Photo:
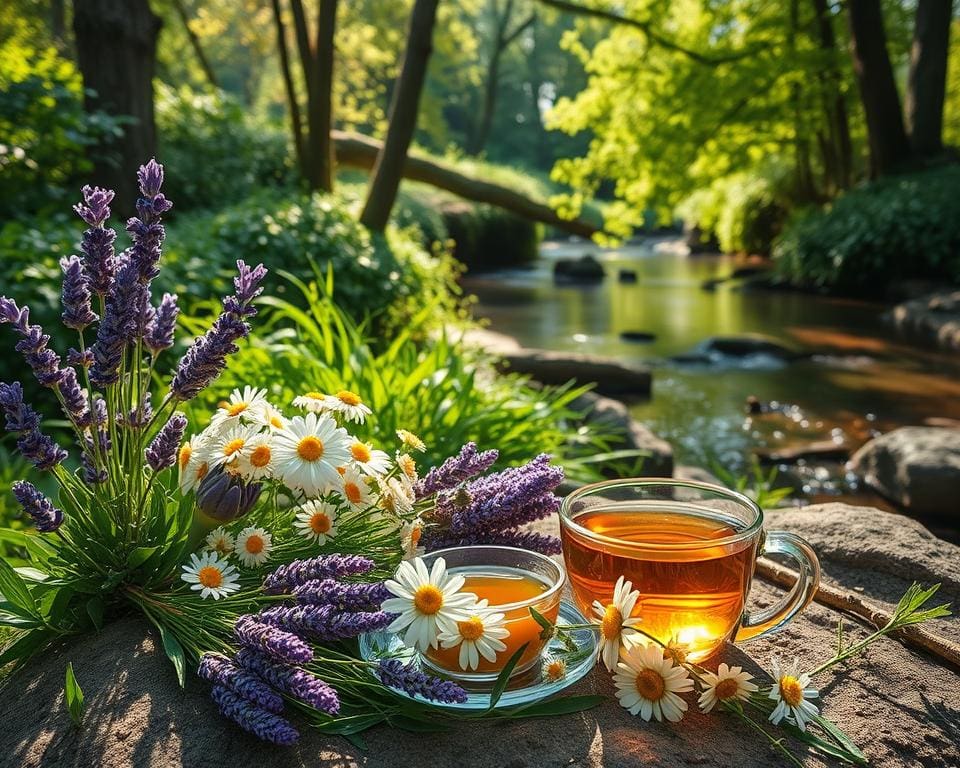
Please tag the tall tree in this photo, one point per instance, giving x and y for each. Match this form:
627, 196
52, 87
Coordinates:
927, 80
195, 43
116, 51
835, 143
404, 105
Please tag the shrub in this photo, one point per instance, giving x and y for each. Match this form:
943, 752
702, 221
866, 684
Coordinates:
214, 153
894, 229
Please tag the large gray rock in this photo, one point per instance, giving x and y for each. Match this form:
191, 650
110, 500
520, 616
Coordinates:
917, 468
933, 319
611, 376
898, 704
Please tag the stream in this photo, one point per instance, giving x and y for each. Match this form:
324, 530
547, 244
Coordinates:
850, 379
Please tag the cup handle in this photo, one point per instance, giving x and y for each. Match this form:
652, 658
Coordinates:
770, 620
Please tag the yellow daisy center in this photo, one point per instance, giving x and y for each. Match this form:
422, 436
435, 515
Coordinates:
360, 452
276, 422
556, 670
348, 398
310, 448
611, 623
254, 544
408, 465
791, 691
353, 493
237, 408
260, 456
320, 523
650, 685
471, 629
415, 535
428, 599
315, 395
210, 576
184, 456
726, 689
233, 446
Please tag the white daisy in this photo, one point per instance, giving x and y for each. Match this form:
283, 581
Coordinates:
648, 684
193, 462
410, 533
428, 603
242, 404
408, 466
350, 405
255, 461
728, 684
370, 460
554, 669
396, 497
410, 440
312, 401
214, 577
219, 541
308, 452
269, 417
792, 692
354, 489
615, 622
479, 635
232, 444
253, 546
317, 520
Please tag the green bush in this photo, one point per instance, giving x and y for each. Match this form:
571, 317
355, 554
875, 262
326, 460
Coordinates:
214, 153
744, 211
897, 228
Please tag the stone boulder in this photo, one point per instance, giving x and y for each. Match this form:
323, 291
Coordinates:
917, 468
898, 704
933, 319
611, 376
586, 269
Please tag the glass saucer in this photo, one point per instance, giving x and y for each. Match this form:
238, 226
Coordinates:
578, 648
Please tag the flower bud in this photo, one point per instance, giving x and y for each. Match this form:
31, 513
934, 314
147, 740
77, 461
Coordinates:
225, 497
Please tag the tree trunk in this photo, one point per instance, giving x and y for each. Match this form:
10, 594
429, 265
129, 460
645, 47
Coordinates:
927, 81
403, 117
198, 51
889, 148
492, 84
360, 151
116, 52
320, 102
836, 146
296, 122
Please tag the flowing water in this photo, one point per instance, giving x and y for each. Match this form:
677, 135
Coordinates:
852, 379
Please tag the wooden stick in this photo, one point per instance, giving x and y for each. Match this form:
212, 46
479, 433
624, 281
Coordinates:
850, 602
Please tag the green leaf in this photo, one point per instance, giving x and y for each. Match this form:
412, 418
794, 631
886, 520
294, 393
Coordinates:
139, 556
174, 651
25, 647
20, 622
74, 696
95, 611
562, 706
15, 590
500, 685
32, 574
549, 630
841, 738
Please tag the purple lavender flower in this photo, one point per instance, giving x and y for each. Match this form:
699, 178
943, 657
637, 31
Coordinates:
79, 359
292, 681
162, 451
394, 674
145, 229
455, 470
74, 399
261, 723
268, 639
160, 329
323, 623
97, 242
291, 575
92, 474
119, 325
207, 357
219, 670
44, 362
21, 418
536, 542
75, 295
139, 415
226, 497
46, 517
345, 597
150, 178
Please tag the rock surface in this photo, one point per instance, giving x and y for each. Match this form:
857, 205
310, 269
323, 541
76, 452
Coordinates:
933, 319
586, 269
898, 704
917, 468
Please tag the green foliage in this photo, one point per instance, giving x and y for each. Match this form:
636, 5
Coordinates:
74, 696
756, 484
213, 151
744, 211
895, 229
44, 131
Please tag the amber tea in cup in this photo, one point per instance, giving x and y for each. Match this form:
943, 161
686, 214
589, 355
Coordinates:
689, 549
512, 581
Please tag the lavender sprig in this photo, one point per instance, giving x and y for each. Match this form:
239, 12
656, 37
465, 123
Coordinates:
160, 329
74, 398
145, 229
121, 319
345, 597
394, 674
536, 542
97, 243
46, 517
162, 451
293, 681
75, 295
261, 723
323, 623
219, 670
36, 447
44, 362
457, 469
272, 641
291, 575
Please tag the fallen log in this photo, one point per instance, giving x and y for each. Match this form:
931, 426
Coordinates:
359, 151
